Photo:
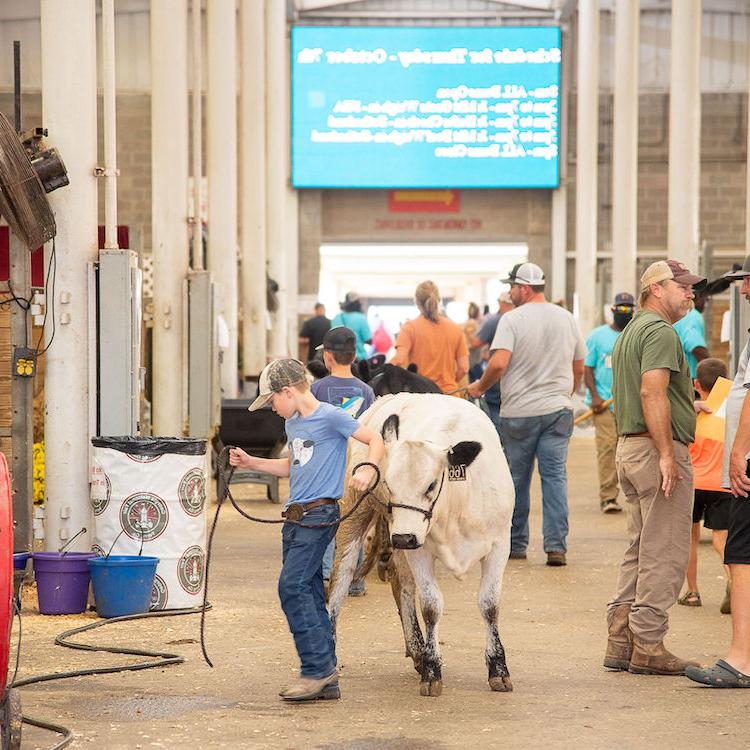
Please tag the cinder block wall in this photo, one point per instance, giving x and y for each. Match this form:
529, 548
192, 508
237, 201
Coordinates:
723, 159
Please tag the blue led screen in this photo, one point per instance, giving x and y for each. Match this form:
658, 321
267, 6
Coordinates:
399, 107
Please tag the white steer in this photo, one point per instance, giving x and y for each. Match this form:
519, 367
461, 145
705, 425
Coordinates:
447, 494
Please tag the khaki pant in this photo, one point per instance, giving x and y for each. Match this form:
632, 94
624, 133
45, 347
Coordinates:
606, 443
654, 566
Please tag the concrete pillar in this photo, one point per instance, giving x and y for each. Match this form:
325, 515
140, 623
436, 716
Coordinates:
169, 210
558, 265
69, 112
253, 186
625, 147
277, 177
109, 118
747, 165
292, 259
683, 227
197, 262
221, 170
587, 147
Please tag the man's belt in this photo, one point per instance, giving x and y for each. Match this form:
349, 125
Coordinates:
295, 510
646, 435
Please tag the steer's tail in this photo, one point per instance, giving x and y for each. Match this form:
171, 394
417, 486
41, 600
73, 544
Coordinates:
377, 550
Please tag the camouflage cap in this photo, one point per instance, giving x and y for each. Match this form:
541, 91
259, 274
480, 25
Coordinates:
662, 270
276, 375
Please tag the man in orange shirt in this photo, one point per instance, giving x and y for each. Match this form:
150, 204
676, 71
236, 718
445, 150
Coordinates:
435, 344
711, 502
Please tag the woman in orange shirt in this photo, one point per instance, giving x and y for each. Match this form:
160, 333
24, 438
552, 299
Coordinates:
433, 343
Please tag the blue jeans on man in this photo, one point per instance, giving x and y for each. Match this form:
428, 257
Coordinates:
301, 590
492, 399
546, 439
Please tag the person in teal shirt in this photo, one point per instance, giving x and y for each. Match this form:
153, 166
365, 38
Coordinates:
351, 316
597, 374
692, 333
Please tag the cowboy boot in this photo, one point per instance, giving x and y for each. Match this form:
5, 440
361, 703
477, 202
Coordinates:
653, 658
620, 642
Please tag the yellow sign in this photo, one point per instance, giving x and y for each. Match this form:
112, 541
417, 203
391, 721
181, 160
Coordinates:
711, 426
429, 196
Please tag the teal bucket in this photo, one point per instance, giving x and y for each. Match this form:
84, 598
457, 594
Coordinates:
122, 584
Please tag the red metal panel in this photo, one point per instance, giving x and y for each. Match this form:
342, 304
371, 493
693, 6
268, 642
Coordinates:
6, 570
123, 237
37, 256
4, 254
37, 268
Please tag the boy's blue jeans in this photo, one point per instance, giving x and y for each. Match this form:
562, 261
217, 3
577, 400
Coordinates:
301, 590
545, 438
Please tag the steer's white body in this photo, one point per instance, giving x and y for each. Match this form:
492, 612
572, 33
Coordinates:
469, 521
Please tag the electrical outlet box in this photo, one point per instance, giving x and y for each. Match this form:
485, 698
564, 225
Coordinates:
24, 362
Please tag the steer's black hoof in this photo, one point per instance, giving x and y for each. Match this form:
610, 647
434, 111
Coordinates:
501, 684
432, 689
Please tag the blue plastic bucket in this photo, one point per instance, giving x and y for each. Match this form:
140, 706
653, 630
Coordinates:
62, 581
19, 573
122, 584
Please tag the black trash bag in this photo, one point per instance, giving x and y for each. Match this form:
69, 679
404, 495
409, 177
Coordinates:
136, 445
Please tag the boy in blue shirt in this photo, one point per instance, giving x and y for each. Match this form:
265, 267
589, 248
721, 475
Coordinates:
342, 389
692, 332
317, 435
597, 375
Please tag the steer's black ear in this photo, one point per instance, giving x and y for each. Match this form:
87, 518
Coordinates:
389, 430
464, 452
363, 366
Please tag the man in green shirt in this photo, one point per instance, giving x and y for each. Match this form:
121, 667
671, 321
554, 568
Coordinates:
655, 415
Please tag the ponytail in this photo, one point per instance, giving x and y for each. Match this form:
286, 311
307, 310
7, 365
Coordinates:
427, 298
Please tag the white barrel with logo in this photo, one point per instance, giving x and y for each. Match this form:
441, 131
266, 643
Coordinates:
149, 496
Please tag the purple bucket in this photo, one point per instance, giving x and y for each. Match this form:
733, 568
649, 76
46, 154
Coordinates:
62, 581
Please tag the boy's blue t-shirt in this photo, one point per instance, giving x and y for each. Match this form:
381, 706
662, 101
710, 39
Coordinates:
692, 332
600, 343
350, 394
317, 453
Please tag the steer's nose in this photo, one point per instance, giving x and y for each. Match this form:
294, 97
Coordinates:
404, 541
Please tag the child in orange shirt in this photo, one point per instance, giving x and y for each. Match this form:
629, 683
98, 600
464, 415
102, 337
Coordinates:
711, 501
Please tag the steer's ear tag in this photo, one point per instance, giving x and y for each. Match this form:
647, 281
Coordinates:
457, 473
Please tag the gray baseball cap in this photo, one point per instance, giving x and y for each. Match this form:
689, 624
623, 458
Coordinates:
277, 375
737, 275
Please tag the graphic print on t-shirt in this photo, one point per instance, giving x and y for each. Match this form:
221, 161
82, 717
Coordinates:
346, 397
302, 451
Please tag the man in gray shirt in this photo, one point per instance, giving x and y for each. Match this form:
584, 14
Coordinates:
538, 357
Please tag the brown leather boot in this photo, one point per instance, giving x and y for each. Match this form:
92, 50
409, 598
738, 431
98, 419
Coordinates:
620, 642
653, 658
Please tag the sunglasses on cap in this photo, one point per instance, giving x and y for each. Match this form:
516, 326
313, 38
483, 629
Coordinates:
622, 308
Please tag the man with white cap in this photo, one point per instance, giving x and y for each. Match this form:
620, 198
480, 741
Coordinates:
538, 354
484, 337
655, 415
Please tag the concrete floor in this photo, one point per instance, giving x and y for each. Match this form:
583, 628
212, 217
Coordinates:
552, 625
